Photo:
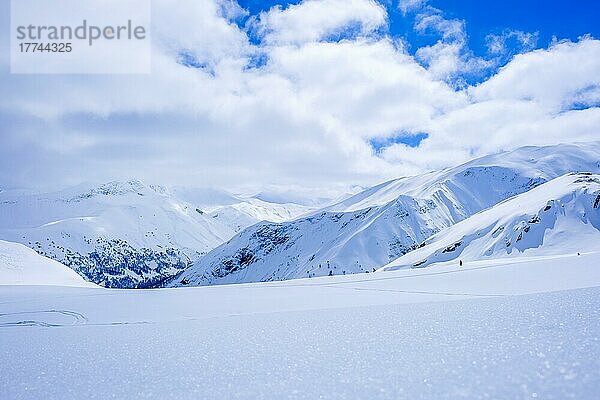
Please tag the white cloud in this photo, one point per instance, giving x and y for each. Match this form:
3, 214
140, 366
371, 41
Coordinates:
450, 56
554, 77
303, 119
312, 20
432, 20
202, 27
524, 41
526, 102
446, 60
407, 6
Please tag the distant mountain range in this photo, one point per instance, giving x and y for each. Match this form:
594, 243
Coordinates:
388, 221
533, 200
128, 234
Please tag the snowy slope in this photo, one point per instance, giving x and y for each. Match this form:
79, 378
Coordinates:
126, 234
378, 225
522, 329
494, 175
19, 265
248, 211
239, 211
558, 217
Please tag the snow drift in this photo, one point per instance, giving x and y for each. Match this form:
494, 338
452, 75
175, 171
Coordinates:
19, 265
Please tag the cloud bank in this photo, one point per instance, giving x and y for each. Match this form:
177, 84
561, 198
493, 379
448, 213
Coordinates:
293, 96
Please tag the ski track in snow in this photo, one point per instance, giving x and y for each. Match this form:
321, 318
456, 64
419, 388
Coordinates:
50, 318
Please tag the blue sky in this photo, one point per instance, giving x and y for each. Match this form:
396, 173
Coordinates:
548, 19
276, 100
412, 140
563, 19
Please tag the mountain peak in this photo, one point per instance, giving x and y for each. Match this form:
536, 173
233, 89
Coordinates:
390, 220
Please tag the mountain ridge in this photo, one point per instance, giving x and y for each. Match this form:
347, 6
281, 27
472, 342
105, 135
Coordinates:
126, 234
560, 216
374, 227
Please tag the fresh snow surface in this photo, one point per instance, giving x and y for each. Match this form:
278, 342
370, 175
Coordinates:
377, 226
19, 265
561, 216
500, 329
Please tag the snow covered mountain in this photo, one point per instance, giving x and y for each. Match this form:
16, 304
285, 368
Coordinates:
128, 234
19, 265
558, 217
240, 211
248, 211
378, 225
